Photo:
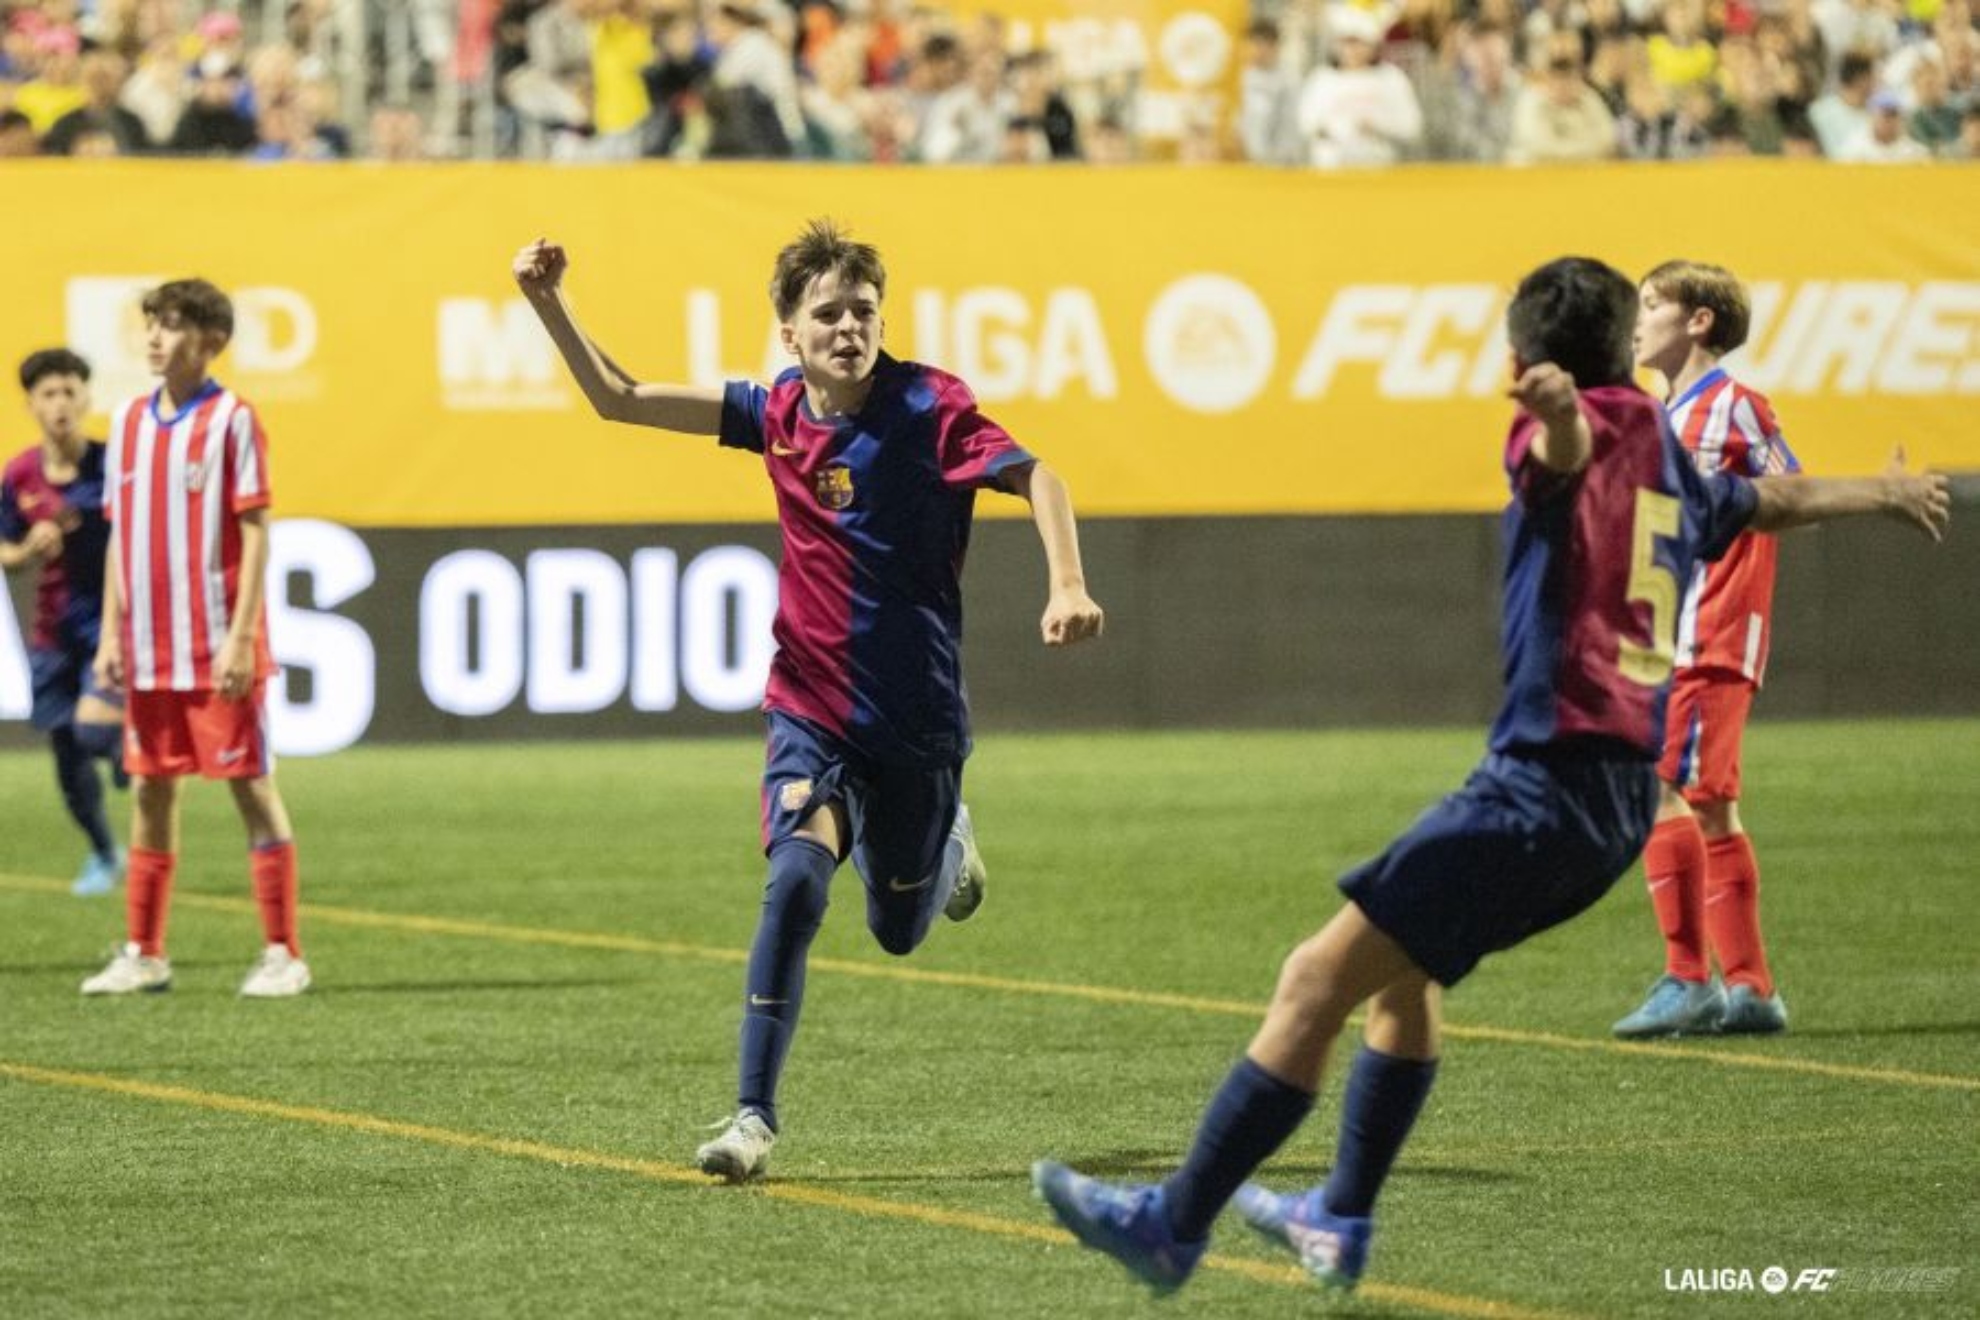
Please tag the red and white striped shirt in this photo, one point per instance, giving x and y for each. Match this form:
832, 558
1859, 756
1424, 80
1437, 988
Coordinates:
1727, 617
176, 486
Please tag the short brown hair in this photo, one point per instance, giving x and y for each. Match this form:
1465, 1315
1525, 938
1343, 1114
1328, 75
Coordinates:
195, 302
1694, 284
823, 248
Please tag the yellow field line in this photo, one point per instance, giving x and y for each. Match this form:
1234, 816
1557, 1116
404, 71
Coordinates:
570, 1157
487, 930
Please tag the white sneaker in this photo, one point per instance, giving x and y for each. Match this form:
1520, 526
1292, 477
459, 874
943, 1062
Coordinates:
278, 974
742, 1151
130, 972
966, 895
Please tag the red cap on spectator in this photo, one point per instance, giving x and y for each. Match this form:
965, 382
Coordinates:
219, 26
60, 40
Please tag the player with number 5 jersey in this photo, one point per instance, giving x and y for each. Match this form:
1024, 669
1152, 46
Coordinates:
1608, 516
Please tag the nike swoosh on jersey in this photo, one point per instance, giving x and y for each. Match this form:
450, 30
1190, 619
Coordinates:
782, 452
758, 1001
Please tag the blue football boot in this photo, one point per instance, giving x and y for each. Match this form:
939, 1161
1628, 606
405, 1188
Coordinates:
1332, 1248
1131, 1224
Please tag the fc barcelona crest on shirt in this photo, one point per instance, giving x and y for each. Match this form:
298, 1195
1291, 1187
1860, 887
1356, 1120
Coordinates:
794, 794
833, 484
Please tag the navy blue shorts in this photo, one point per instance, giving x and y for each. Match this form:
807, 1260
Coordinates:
1528, 842
899, 817
59, 679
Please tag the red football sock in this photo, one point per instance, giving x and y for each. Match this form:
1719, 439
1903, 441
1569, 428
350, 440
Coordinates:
147, 896
273, 866
1732, 911
1674, 868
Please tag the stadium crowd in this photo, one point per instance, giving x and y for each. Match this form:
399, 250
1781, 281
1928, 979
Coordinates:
1357, 83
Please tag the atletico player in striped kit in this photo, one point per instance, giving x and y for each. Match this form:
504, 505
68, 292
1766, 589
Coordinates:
184, 630
1699, 865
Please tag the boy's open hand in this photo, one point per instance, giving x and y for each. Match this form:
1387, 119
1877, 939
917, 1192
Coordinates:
1923, 499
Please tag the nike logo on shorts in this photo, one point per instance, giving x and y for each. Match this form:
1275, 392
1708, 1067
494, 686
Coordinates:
232, 755
900, 888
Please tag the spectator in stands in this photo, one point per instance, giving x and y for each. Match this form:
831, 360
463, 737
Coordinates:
621, 48
839, 111
965, 125
1884, 140
1616, 62
1856, 25
1934, 119
56, 87
1842, 116
549, 92
1559, 117
1488, 93
1968, 146
17, 136
676, 83
102, 79
212, 123
1038, 97
396, 134
1357, 111
1679, 54
156, 89
1268, 100
753, 97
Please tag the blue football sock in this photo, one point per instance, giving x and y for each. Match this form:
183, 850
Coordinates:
1384, 1096
1251, 1115
794, 901
82, 792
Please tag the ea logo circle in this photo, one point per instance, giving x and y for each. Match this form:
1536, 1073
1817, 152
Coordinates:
1210, 343
1195, 48
1774, 1279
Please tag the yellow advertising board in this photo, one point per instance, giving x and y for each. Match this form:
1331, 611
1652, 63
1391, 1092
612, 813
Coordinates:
1174, 342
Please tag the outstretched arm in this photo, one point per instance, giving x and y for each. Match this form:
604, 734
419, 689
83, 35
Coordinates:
1923, 499
614, 394
1070, 614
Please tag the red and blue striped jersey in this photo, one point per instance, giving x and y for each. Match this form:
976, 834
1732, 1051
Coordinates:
875, 510
1596, 564
1729, 604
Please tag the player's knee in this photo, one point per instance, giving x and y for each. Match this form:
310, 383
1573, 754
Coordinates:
898, 939
98, 739
1311, 987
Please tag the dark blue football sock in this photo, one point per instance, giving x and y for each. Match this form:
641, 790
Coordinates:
1384, 1096
794, 901
1251, 1116
82, 792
